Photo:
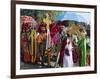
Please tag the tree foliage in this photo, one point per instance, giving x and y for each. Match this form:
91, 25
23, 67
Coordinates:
38, 15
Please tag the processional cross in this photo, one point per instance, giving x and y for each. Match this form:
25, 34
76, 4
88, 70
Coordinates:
73, 29
48, 22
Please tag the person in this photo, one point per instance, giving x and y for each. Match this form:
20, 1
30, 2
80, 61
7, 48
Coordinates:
66, 56
82, 49
41, 44
75, 55
68, 50
62, 43
25, 53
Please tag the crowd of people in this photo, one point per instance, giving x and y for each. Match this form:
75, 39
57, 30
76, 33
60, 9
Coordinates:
43, 42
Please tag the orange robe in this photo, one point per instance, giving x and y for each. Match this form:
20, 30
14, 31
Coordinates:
41, 44
26, 57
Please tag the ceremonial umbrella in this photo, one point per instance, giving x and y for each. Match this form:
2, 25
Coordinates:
26, 19
27, 22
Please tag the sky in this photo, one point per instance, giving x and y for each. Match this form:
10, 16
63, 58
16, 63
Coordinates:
77, 16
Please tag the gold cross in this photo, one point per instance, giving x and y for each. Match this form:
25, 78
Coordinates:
73, 29
47, 20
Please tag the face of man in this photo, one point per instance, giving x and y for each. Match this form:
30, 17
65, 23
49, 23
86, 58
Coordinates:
62, 27
43, 29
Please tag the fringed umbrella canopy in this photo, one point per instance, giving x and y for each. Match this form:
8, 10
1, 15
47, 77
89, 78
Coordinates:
26, 19
27, 22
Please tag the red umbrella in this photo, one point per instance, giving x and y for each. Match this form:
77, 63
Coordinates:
26, 19
25, 22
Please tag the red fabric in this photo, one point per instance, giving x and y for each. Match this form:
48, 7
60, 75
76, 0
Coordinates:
25, 26
26, 19
26, 57
74, 54
62, 51
54, 30
67, 52
88, 59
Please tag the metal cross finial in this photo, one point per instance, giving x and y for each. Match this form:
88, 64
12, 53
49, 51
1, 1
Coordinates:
73, 29
47, 20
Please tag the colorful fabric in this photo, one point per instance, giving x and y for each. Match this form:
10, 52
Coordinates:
82, 52
68, 55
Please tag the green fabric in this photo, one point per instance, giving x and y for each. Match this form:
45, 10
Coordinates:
82, 52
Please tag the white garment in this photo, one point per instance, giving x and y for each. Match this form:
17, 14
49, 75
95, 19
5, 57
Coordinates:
68, 60
48, 41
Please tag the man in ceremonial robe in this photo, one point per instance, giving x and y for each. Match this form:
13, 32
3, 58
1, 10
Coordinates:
62, 44
66, 57
25, 44
41, 44
68, 52
82, 49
